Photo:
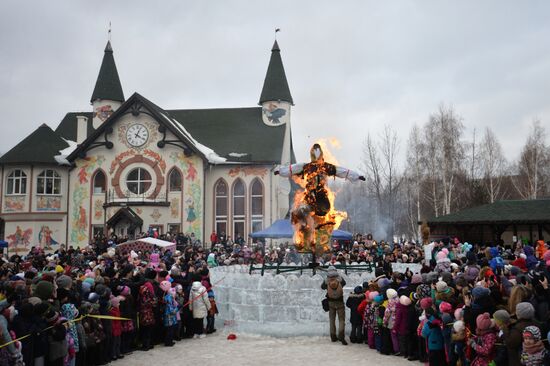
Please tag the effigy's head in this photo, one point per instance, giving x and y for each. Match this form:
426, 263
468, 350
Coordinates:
316, 153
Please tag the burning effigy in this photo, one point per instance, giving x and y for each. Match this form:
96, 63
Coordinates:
313, 215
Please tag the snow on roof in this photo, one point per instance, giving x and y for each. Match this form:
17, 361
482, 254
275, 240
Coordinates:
153, 241
62, 157
210, 154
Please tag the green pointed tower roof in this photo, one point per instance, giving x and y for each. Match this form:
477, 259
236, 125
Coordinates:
108, 86
275, 84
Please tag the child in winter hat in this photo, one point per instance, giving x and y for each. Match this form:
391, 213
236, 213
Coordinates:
534, 353
502, 321
458, 339
484, 344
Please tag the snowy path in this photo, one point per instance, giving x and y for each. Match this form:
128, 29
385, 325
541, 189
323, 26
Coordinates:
250, 350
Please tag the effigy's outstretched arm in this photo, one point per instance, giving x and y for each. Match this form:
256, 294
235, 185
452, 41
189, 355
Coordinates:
288, 170
348, 174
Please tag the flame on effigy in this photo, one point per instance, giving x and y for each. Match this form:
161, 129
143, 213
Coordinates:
305, 222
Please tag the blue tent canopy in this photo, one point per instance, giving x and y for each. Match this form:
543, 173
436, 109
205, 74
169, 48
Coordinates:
282, 229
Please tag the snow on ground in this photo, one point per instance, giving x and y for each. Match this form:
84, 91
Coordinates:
252, 350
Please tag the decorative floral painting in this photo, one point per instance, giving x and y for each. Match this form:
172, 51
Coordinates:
98, 209
119, 158
193, 192
87, 165
81, 193
14, 204
175, 207
103, 112
255, 171
156, 215
45, 203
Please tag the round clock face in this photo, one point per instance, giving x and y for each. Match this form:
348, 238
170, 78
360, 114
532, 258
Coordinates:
137, 135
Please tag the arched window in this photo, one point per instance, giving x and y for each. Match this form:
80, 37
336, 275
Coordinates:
48, 182
17, 182
239, 209
220, 206
138, 180
174, 181
256, 205
99, 182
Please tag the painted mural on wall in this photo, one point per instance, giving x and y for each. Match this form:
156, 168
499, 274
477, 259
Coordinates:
157, 157
46, 203
175, 207
14, 203
45, 238
103, 112
191, 216
119, 158
98, 209
20, 240
257, 172
193, 192
156, 215
274, 114
81, 195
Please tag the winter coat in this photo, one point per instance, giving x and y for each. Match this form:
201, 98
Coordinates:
352, 303
389, 314
485, 349
116, 325
147, 304
401, 325
431, 331
336, 295
169, 317
371, 318
515, 339
199, 303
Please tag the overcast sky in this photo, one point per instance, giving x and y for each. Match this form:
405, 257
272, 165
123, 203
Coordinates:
352, 66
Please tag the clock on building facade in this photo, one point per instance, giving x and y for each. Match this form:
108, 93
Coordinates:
137, 135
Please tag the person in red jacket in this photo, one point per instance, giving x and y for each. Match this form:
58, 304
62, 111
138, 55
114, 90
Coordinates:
116, 326
213, 239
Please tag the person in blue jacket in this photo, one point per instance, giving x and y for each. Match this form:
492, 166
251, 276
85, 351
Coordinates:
434, 339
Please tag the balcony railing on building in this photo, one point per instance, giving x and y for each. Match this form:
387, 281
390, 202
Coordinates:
131, 199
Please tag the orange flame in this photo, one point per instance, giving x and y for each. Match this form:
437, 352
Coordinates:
305, 230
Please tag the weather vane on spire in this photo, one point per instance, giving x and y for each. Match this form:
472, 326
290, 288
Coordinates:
109, 32
276, 31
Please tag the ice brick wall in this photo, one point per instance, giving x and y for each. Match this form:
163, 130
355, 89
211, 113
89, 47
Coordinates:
277, 305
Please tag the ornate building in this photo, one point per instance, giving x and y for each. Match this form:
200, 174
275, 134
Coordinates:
128, 166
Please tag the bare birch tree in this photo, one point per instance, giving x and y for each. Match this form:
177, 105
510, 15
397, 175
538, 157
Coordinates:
492, 165
414, 178
532, 167
380, 163
445, 129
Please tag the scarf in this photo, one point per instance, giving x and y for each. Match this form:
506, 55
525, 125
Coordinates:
534, 348
533, 355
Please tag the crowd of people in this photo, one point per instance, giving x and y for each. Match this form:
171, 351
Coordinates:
467, 305
90, 307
